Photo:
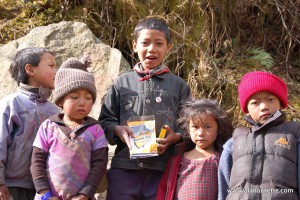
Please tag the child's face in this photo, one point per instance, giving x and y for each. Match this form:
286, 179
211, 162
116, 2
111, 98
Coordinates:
204, 132
151, 47
44, 74
261, 105
77, 105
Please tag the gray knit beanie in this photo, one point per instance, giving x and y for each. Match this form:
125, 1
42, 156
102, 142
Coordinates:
73, 75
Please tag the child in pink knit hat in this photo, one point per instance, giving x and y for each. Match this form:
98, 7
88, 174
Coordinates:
261, 162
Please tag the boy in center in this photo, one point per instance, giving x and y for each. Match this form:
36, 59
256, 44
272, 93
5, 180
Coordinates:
150, 89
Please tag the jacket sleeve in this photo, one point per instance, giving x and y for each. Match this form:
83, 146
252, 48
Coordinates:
224, 170
38, 169
8, 122
162, 186
298, 149
97, 172
184, 94
110, 114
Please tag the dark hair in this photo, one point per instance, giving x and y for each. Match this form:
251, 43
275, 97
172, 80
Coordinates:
152, 23
193, 108
32, 56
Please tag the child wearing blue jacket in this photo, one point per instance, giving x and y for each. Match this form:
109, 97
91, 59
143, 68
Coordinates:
22, 113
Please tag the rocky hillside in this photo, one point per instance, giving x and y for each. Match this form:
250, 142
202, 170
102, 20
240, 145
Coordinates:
214, 43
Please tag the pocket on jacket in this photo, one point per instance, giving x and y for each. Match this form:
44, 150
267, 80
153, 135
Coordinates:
128, 107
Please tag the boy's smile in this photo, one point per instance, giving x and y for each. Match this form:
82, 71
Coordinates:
151, 47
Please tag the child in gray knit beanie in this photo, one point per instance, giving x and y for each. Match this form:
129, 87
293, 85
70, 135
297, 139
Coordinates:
73, 75
70, 148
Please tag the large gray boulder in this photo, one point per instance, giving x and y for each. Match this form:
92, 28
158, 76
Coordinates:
67, 39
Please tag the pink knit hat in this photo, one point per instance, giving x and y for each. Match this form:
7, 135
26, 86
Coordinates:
259, 81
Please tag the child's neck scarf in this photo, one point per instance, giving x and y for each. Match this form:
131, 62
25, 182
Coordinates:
146, 74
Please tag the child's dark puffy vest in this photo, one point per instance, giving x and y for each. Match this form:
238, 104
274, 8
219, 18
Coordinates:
264, 163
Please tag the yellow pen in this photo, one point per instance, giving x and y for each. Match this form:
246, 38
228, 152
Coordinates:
162, 133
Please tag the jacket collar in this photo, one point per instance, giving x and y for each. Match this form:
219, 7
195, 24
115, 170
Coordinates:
276, 118
58, 118
40, 94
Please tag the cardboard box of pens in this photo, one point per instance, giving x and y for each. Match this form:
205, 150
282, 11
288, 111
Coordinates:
144, 143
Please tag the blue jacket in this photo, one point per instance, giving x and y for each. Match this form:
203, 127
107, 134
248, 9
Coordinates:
21, 115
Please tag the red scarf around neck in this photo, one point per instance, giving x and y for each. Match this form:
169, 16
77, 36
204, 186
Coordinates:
146, 74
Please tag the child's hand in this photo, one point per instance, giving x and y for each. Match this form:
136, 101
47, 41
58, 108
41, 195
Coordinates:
123, 132
80, 197
171, 138
42, 192
4, 193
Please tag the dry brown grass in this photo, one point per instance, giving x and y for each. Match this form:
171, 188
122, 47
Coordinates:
211, 39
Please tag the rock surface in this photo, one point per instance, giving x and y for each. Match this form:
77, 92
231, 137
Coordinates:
69, 39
